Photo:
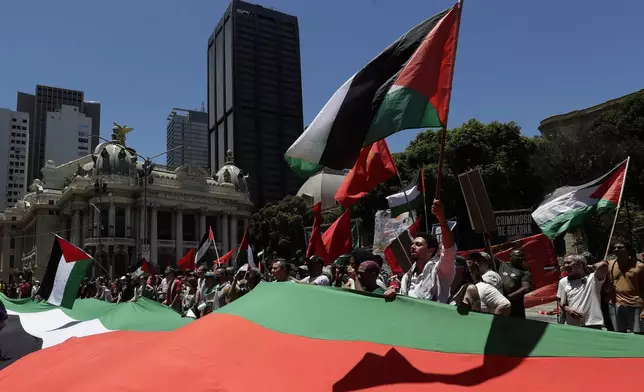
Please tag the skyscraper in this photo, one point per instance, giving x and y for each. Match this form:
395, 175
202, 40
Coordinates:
188, 128
255, 96
68, 135
14, 137
50, 99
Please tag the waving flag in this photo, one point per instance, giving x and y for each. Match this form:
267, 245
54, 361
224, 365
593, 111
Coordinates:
383, 346
406, 86
567, 207
65, 271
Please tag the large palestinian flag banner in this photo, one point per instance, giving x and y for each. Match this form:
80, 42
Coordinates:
567, 207
37, 325
290, 337
406, 86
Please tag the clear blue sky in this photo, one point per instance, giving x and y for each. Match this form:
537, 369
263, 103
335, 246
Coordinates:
517, 60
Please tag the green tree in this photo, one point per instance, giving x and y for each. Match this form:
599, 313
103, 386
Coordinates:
281, 226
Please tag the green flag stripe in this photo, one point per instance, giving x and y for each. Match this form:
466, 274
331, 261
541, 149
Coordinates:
76, 275
335, 314
402, 108
301, 167
572, 218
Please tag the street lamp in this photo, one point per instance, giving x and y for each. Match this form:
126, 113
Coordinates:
148, 166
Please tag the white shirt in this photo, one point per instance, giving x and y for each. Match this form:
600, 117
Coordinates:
583, 296
320, 280
492, 278
491, 297
434, 282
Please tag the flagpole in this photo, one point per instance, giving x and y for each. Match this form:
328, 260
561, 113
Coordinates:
214, 244
619, 204
441, 157
422, 177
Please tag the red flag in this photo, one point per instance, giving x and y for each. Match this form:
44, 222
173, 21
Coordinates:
187, 262
225, 258
316, 246
374, 166
337, 238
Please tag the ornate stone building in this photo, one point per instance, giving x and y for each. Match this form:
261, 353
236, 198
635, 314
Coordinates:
112, 204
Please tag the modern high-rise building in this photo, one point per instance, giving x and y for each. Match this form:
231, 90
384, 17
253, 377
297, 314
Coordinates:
187, 128
14, 139
255, 96
50, 99
68, 135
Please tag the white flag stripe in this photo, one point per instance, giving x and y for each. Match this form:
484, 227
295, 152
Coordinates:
398, 199
311, 144
85, 328
251, 261
60, 281
577, 199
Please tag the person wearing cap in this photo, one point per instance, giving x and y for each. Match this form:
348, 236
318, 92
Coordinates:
173, 297
484, 261
316, 277
367, 278
492, 301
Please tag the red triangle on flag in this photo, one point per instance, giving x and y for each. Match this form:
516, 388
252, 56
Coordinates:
71, 252
187, 262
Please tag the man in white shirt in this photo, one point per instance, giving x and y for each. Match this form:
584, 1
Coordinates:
484, 262
432, 272
579, 293
316, 277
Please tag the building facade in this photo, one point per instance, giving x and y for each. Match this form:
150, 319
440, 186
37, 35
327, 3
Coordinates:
50, 99
14, 139
255, 96
107, 204
576, 123
187, 128
68, 134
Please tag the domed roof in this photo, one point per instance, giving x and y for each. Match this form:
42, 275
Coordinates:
112, 158
321, 187
231, 175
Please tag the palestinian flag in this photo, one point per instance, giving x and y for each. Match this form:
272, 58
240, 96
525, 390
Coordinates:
245, 253
398, 252
36, 325
567, 207
414, 193
406, 86
142, 267
66, 269
361, 342
206, 242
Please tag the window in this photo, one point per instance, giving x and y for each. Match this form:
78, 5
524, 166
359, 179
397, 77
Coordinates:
51, 202
12, 243
82, 140
11, 261
51, 212
24, 128
24, 121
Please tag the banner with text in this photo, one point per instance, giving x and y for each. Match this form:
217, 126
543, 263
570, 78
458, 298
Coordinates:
514, 224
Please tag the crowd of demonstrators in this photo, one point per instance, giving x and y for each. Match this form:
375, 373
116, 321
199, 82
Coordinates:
21, 288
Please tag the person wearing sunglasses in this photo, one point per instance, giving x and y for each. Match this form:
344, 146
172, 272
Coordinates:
627, 276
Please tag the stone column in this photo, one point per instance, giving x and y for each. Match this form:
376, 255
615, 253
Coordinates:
86, 225
202, 224
178, 242
154, 246
128, 221
142, 224
76, 230
233, 231
224, 232
96, 225
111, 220
4, 257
